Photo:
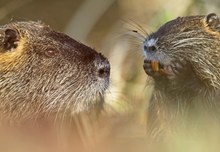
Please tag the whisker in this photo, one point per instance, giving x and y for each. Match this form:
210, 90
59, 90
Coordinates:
137, 27
189, 41
133, 35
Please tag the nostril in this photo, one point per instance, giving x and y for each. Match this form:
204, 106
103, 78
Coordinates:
104, 71
146, 61
101, 71
150, 48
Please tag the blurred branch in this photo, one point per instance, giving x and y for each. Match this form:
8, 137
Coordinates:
86, 17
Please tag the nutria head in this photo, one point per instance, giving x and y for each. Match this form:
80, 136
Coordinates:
185, 53
42, 70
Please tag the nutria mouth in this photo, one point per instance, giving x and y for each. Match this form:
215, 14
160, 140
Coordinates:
157, 69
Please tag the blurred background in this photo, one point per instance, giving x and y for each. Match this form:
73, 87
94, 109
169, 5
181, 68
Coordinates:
106, 26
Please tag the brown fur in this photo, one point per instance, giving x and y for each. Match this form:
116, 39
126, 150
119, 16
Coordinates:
45, 72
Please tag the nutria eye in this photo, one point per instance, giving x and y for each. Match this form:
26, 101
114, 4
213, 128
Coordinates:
51, 53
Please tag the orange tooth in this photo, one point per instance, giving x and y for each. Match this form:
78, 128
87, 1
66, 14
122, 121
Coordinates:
155, 66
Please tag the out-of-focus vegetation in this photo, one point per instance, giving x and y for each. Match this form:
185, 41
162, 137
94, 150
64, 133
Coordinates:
104, 25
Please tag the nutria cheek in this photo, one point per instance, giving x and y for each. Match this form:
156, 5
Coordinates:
168, 72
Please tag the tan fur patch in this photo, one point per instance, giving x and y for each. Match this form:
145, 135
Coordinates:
208, 30
12, 58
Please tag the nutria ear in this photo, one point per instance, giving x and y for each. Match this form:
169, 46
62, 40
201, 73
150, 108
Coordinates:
213, 21
11, 37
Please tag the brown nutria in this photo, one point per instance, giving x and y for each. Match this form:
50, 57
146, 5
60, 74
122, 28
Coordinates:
44, 71
183, 57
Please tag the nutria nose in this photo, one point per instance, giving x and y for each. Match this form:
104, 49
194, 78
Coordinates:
104, 70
